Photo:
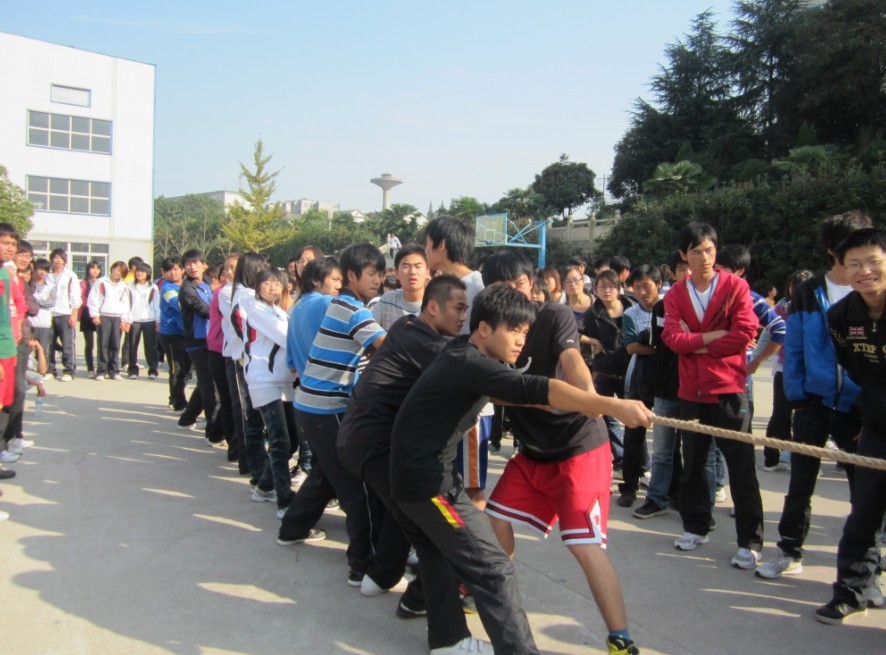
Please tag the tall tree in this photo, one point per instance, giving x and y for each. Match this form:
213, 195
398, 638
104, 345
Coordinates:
521, 204
189, 222
650, 139
14, 206
762, 62
566, 185
466, 208
398, 219
257, 224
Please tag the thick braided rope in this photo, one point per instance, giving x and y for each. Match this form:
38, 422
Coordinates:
802, 448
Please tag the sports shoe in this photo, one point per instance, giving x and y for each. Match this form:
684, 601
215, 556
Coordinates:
466, 645
333, 504
355, 579
90, 374
645, 479
370, 588
778, 466
626, 500
690, 541
5, 474
133, 376
99, 377
745, 559
835, 612
314, 534
259, 495
7, 457
783, 564
649, 509
281, 512
16, 446
4, 516
67, 377
720, 495
621, 646
406, 612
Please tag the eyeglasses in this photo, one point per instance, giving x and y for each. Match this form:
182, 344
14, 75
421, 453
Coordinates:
572, 280
869, 264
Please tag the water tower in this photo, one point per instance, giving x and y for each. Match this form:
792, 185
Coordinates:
386, 182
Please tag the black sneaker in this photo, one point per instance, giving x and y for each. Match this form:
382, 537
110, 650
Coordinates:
314, 534
649, 509
626, 499
835, 612
355, 579
406, 612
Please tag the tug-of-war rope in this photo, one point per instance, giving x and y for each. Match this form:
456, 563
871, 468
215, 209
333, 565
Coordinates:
794, 447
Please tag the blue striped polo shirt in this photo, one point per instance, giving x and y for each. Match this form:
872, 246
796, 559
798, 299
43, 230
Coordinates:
346, 331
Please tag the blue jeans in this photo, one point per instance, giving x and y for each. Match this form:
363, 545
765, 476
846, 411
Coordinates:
279, 420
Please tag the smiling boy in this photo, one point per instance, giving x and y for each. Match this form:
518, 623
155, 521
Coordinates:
858, 327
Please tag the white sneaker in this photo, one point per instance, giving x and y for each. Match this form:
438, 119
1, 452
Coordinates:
7, 457
16, 446
467, 645
690, 541
745, 559
783, 564
720, 495
67, 377
99, 377
262, 496
4, 516
370, 588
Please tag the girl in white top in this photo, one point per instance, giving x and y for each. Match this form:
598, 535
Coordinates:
142, 321
271, 382
109, 301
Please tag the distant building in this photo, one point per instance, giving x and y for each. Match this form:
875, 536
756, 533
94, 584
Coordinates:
227, 198
77, 133
304, 205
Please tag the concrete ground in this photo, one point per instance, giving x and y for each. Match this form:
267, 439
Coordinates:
129, 535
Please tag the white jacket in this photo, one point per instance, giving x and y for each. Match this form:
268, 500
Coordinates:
109, 299
142, 310
67, 292
264, 353
224, 308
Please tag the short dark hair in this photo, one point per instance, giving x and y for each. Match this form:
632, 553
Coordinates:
6, 229
458, 235
507, 266
119, 264
169, 263
619, 264
734, 256
868, 236
834, 229
58, 252
675, 260
42, 264
407, 250
192, 255
500, 304
601, 261
248, 267
25, 246
317, 270
693, 234
269, 273
358, 256
135, 261
642, 271
541, 286
577, 261
440, 290
145, 268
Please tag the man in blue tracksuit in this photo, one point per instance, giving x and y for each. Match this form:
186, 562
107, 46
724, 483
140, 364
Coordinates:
819, 390
171, 332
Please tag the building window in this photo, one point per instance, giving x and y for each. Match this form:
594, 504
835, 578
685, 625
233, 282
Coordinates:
69, 132
79, 254
55, 194
69, 95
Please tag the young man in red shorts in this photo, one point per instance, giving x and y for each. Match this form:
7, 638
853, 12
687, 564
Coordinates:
564, 469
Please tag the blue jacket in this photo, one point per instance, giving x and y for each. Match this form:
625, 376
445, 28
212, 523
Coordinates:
170, 312
810, 361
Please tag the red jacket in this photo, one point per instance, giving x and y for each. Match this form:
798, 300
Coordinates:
723, 369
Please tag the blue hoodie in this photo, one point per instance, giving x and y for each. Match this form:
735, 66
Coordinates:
170, 312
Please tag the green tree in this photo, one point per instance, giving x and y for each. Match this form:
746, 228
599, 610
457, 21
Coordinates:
466, 208
681, 177
566, 185
398, 219
189, 222
14, 206
521, 204
649, 139
257, 224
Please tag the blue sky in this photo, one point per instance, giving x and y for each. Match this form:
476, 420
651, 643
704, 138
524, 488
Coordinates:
457, 99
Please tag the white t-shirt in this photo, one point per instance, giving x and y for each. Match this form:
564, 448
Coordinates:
701, 300
836, 292
474, 283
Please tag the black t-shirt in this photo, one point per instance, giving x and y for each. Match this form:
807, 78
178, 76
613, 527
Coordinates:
442, 405
552, 436
410, 347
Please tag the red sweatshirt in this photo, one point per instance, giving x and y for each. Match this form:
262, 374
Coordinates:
723, 369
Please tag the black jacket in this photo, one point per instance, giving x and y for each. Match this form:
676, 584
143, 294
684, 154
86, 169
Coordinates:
599, 325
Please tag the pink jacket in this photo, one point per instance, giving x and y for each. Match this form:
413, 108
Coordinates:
214, 338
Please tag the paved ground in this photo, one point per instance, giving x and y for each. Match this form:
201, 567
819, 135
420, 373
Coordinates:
129, 535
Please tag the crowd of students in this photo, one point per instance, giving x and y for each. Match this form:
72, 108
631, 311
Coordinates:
325, 390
